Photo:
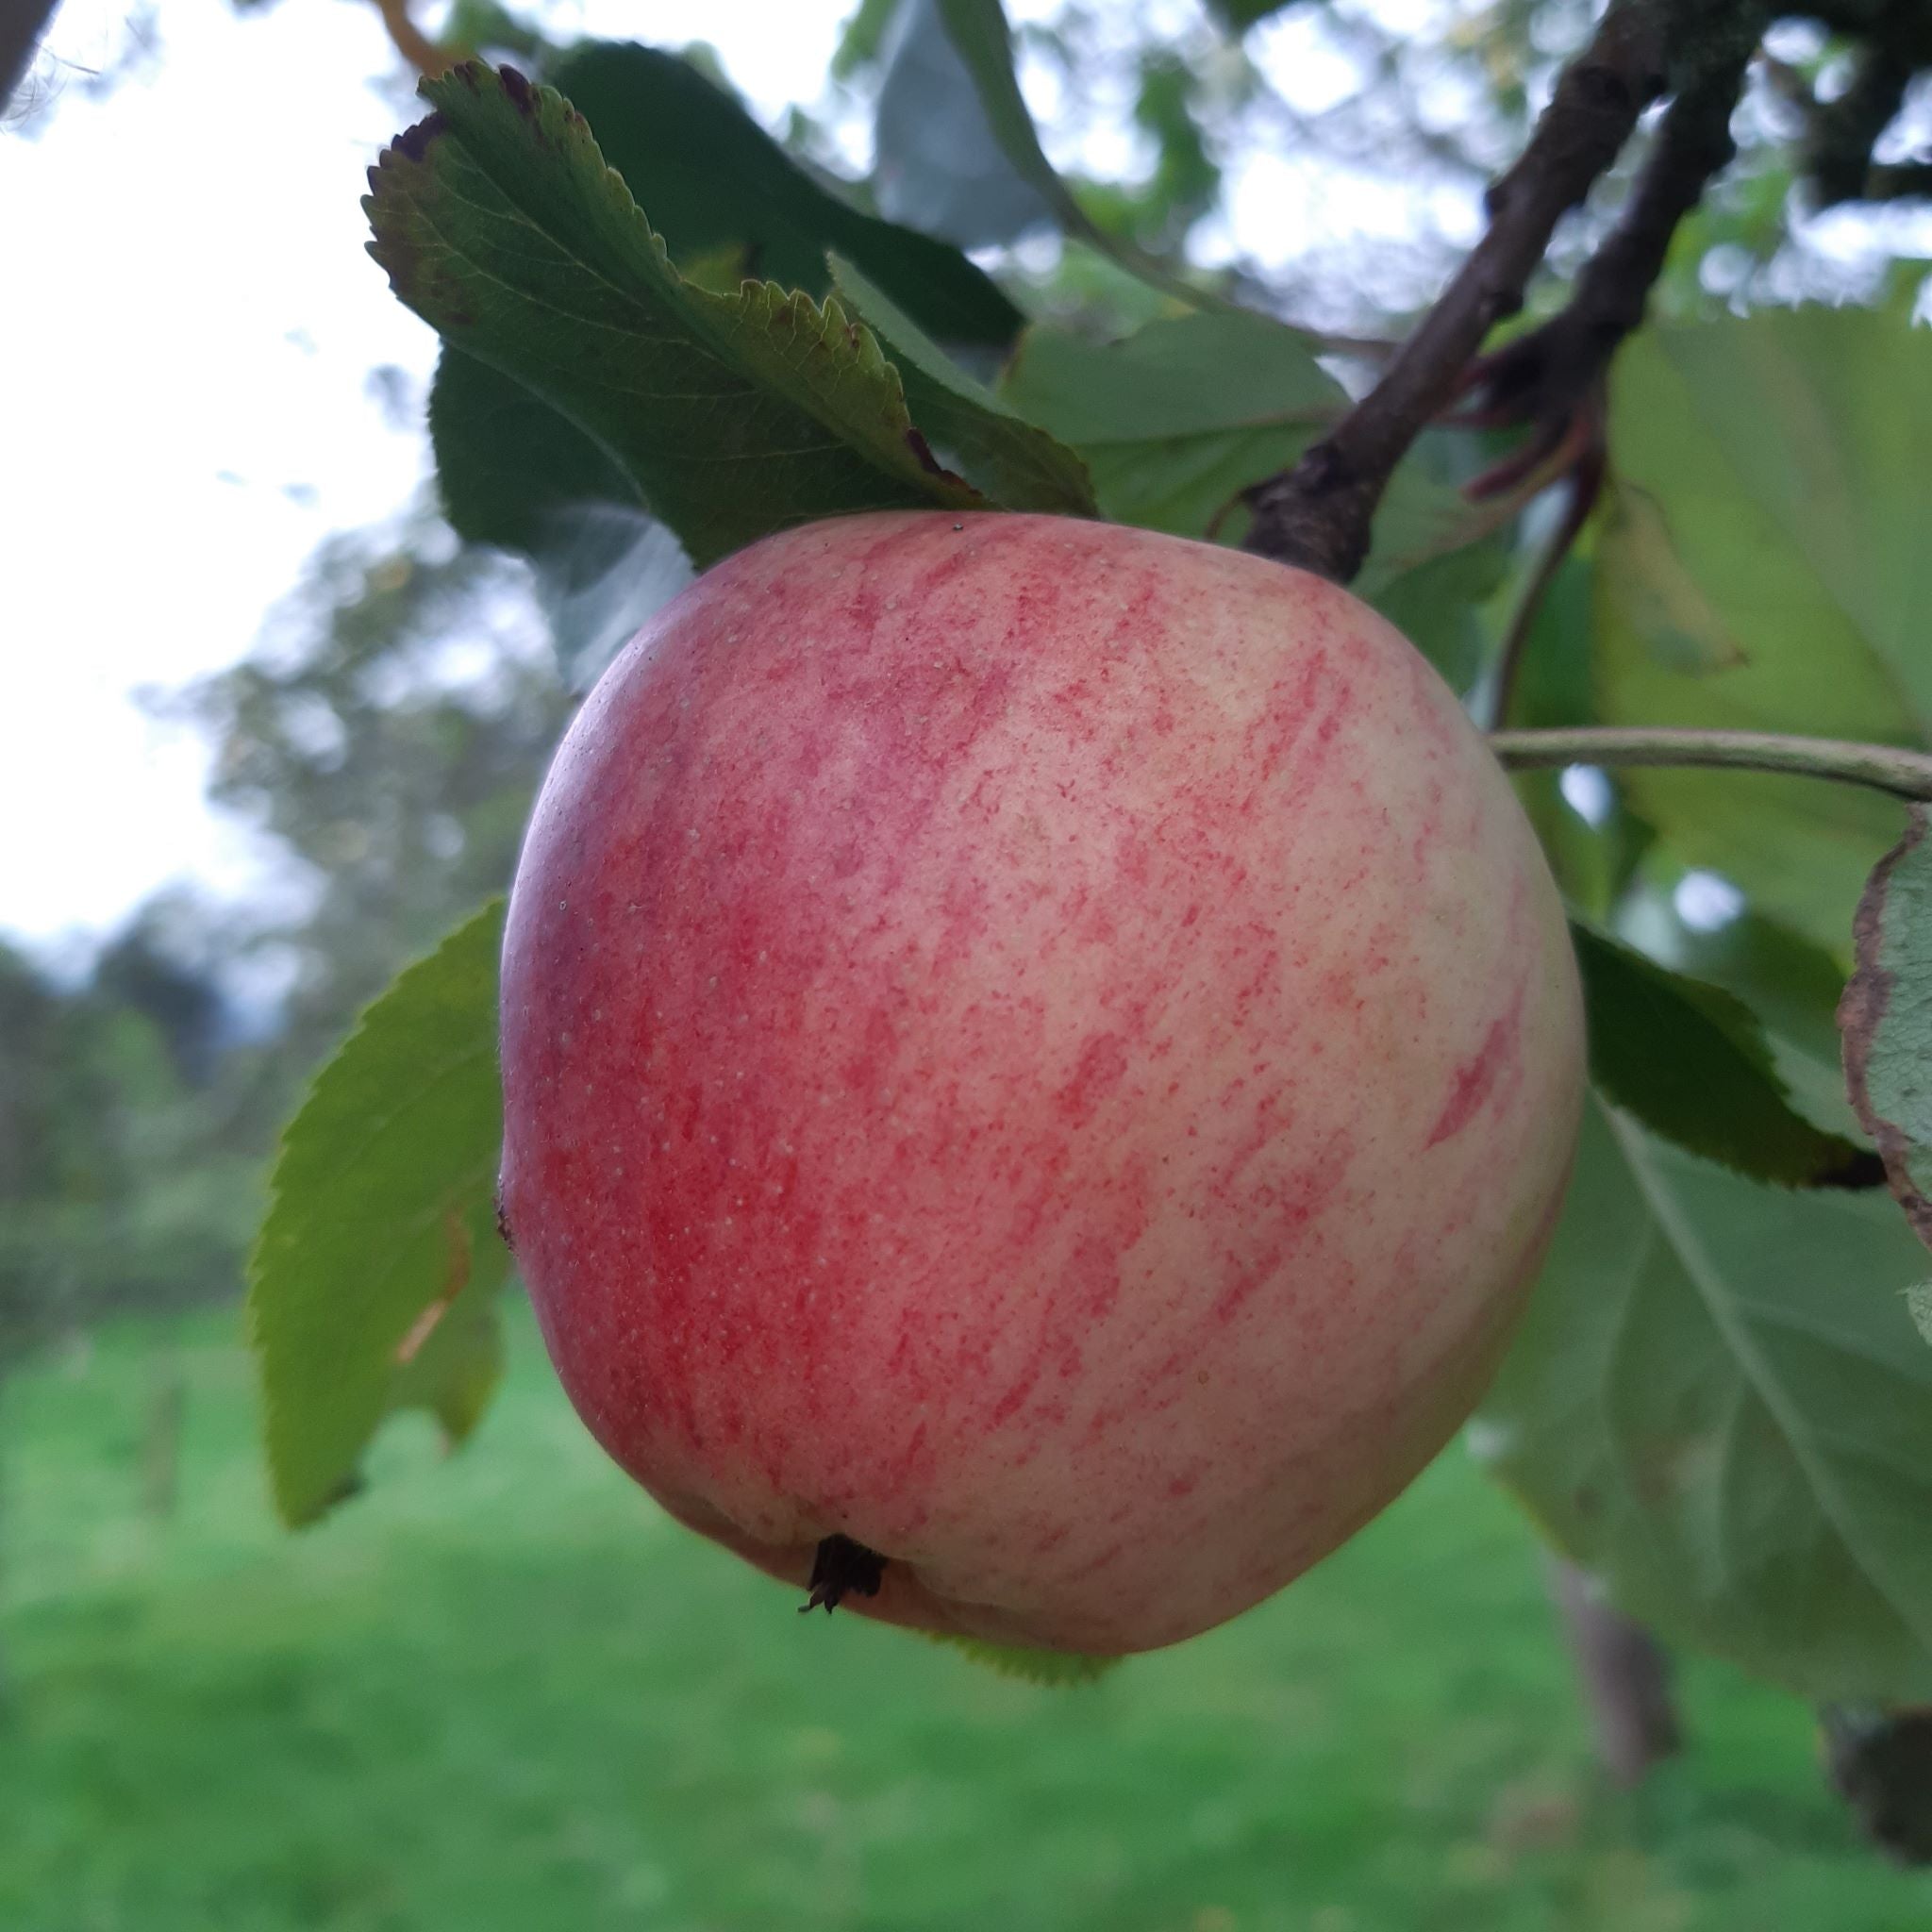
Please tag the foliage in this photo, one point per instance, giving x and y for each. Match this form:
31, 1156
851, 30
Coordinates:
128, 1181
1694, 1063
384, 1189
1720, 1400
1766, 578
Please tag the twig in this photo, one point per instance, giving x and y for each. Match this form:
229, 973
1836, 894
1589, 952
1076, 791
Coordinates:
1895, 38
1878, 767
1626, 1676
1584, 482
428, 57
1838, 148
1318, 513
1547, 375
1899, 181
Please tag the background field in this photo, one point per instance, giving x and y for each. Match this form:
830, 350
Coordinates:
505, 1692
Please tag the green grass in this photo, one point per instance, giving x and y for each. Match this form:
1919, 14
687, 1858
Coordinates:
503, 1692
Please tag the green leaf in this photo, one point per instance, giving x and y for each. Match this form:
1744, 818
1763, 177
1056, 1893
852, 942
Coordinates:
1031, 1666
732, 415
507, 465
1692, 1063
372, 1283
1662, 602
1718, 1403
1178, 418
1772, 581
935, 160
721, 189
714, 180
998, 450
984, 41
1790, 984
1887, 1019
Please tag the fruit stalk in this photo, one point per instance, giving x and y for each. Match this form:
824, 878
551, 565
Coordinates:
1886, 767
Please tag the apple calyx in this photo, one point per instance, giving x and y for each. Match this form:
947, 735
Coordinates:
840, 1568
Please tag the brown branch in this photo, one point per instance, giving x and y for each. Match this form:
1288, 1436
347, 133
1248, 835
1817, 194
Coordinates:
1626, 1677
1899, 181
1318, 514
1895, 44
1548, 375
1837, 147
1584, 484
428, 57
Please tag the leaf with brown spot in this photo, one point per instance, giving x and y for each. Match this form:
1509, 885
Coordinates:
1885, 1017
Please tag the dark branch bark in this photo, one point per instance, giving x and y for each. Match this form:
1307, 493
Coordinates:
1895, 44
1544, 377
23, 22
1901, 181
1838, 148
1318, 514
1880, 1762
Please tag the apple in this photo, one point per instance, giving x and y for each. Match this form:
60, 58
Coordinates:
1040, 1061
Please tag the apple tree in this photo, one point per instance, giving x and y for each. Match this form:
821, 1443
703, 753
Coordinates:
1668, 549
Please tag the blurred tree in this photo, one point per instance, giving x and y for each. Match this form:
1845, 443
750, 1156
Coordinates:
388, 735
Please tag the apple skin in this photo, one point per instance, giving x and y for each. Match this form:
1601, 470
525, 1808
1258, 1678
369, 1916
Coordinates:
1048, 1050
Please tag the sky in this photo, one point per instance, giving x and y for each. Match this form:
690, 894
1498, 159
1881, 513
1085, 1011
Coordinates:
187, 328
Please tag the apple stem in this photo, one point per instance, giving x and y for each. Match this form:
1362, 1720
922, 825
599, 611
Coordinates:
840, 1568
1878, 767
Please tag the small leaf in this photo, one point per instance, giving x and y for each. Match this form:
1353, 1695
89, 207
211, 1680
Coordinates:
1000, 453
984, 43
373, 1282
1692, 1063
1030, 1666
732, 415
1718, 1403
1885, 1017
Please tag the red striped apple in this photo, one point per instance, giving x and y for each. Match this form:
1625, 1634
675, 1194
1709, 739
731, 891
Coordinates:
1040, 1060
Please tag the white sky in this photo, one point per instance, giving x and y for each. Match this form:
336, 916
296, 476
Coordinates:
187, 323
